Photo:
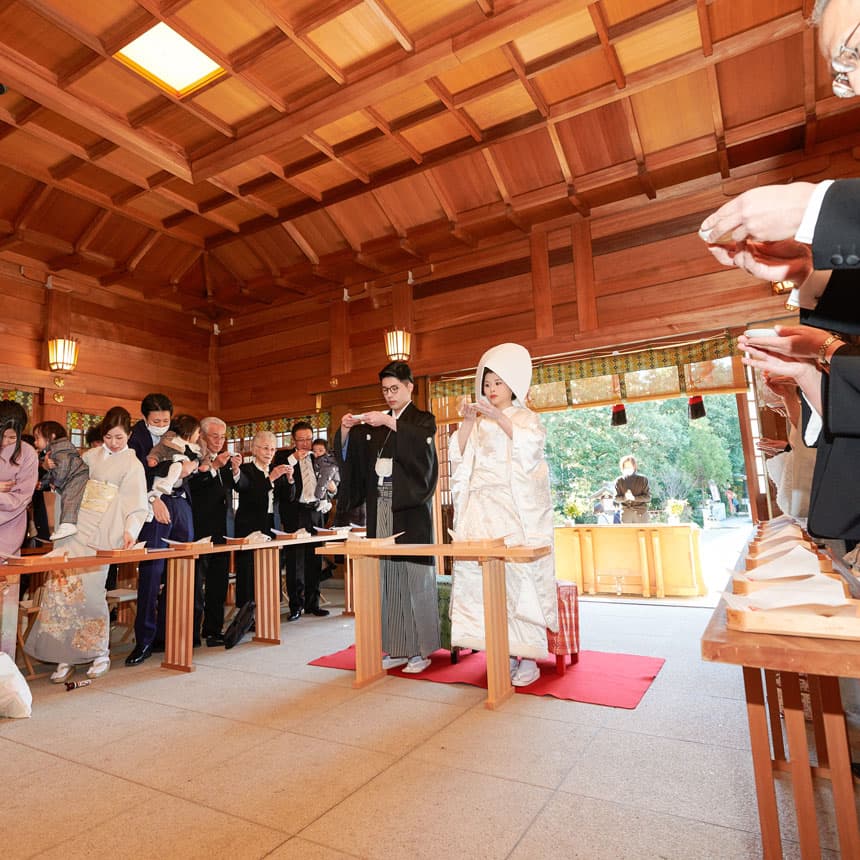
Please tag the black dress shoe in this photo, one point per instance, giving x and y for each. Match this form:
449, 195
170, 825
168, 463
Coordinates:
214, 640
295, 616
320, 613
138, 655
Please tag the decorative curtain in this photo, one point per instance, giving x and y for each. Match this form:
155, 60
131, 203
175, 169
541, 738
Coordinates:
319, 420
708, 366
25, 398
82, 421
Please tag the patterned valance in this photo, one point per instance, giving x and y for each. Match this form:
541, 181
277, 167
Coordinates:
82, 421
319, 420
25, 398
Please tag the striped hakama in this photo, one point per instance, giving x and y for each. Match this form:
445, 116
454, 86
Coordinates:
410, 615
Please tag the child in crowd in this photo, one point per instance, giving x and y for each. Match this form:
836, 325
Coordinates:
177, 446
65, 471
328, 476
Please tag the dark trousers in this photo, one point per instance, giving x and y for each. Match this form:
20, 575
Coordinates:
149, 621
303, 565
212, 571
245, 569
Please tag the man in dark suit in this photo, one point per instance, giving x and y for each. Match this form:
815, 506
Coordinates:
171, 519
211, 489
300, 509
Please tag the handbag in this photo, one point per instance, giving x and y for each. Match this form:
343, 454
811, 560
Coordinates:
240, 625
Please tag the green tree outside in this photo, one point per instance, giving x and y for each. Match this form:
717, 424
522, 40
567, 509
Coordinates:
678, 456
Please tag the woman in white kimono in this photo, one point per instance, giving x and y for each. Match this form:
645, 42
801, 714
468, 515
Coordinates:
500, 487
73, 625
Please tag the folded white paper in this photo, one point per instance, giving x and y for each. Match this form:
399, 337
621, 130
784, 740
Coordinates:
800, 561
816, 590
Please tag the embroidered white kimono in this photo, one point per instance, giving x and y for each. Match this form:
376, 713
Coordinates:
73, 625
500, 488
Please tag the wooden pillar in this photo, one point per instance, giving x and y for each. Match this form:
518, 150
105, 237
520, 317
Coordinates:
583, 276
749, 453
541, 291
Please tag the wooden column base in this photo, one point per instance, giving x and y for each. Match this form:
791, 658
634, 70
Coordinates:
368, 621
499, 688
267, 590
179, 626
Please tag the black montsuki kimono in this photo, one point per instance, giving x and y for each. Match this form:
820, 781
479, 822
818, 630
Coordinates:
410, 621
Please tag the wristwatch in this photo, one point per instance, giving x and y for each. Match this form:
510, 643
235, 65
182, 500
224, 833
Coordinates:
823, 361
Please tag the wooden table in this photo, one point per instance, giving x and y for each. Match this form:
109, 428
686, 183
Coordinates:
179, 623
365, 556
773, 753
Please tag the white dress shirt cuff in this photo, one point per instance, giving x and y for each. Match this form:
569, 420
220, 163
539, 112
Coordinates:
806, 230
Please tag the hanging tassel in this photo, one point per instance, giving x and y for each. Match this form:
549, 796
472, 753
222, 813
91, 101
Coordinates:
619, 415
696, 407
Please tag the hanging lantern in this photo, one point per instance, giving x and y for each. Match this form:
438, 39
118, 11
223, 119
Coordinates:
696, 407
619, 415
62, 354
398, 342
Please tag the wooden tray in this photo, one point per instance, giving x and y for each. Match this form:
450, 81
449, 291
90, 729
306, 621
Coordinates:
102, 553
187, 545
841, 622
825, 564
478, 545
34, 560
234, 541
743, 585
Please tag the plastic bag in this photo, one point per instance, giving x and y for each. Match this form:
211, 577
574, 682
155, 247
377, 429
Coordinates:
16, 700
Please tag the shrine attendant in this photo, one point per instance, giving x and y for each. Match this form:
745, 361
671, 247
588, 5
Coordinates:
500, 488
396, 453
73, 626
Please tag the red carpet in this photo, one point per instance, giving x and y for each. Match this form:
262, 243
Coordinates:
599, 678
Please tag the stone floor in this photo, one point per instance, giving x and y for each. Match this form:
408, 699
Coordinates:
257, 754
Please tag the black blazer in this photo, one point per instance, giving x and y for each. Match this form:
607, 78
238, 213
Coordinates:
253, 512
836, 241
211, 497
834, 503
288, 495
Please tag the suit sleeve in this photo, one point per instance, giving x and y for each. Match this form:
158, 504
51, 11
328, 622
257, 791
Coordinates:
415, 464
836, 241
841, 393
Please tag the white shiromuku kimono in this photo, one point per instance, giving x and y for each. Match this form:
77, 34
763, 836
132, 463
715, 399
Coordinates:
500, 488
792, 471
73, 625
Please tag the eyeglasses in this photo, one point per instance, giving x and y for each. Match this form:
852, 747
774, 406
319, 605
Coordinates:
845, 60
390, 389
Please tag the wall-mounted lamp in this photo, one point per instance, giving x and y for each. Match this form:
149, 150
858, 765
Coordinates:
398, 343
62, 358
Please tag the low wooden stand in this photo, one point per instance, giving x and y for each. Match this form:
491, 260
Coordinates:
367, 603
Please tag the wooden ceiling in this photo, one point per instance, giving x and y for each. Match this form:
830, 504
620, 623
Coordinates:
355, 140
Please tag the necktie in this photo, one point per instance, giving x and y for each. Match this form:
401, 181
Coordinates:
309, 480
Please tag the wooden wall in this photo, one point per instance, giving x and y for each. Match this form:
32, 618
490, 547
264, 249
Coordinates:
128, 347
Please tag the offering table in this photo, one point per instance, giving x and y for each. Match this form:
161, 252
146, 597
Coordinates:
367, 602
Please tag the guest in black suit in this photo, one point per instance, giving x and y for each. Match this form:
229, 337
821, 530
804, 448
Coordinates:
211, 489
257, 485
298, 507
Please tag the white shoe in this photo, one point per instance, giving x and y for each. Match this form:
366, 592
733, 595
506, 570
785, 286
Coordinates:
393, 662
515, 664
416, 665
63, 673
65, 530
527, 674
101, 666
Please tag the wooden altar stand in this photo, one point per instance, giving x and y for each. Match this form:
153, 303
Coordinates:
367, 602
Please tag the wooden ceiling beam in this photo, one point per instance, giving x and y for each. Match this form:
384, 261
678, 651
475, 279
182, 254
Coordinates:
486, 6
441, 92
719, 124
705, 27
247, 196
303, 244
636, 143
320, 13
378, 120
318, 143
301, 41
512, 55
41, 85
392, 23
598, 18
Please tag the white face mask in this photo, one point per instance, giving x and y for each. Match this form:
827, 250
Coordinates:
627, 471
156, 431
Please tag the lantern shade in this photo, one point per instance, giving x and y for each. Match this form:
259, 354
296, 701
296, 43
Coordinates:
398, 343
696, 407
619, 415
62, 354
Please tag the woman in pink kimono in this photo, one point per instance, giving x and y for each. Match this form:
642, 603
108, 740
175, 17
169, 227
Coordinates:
500, 487
19, 466
73, 626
